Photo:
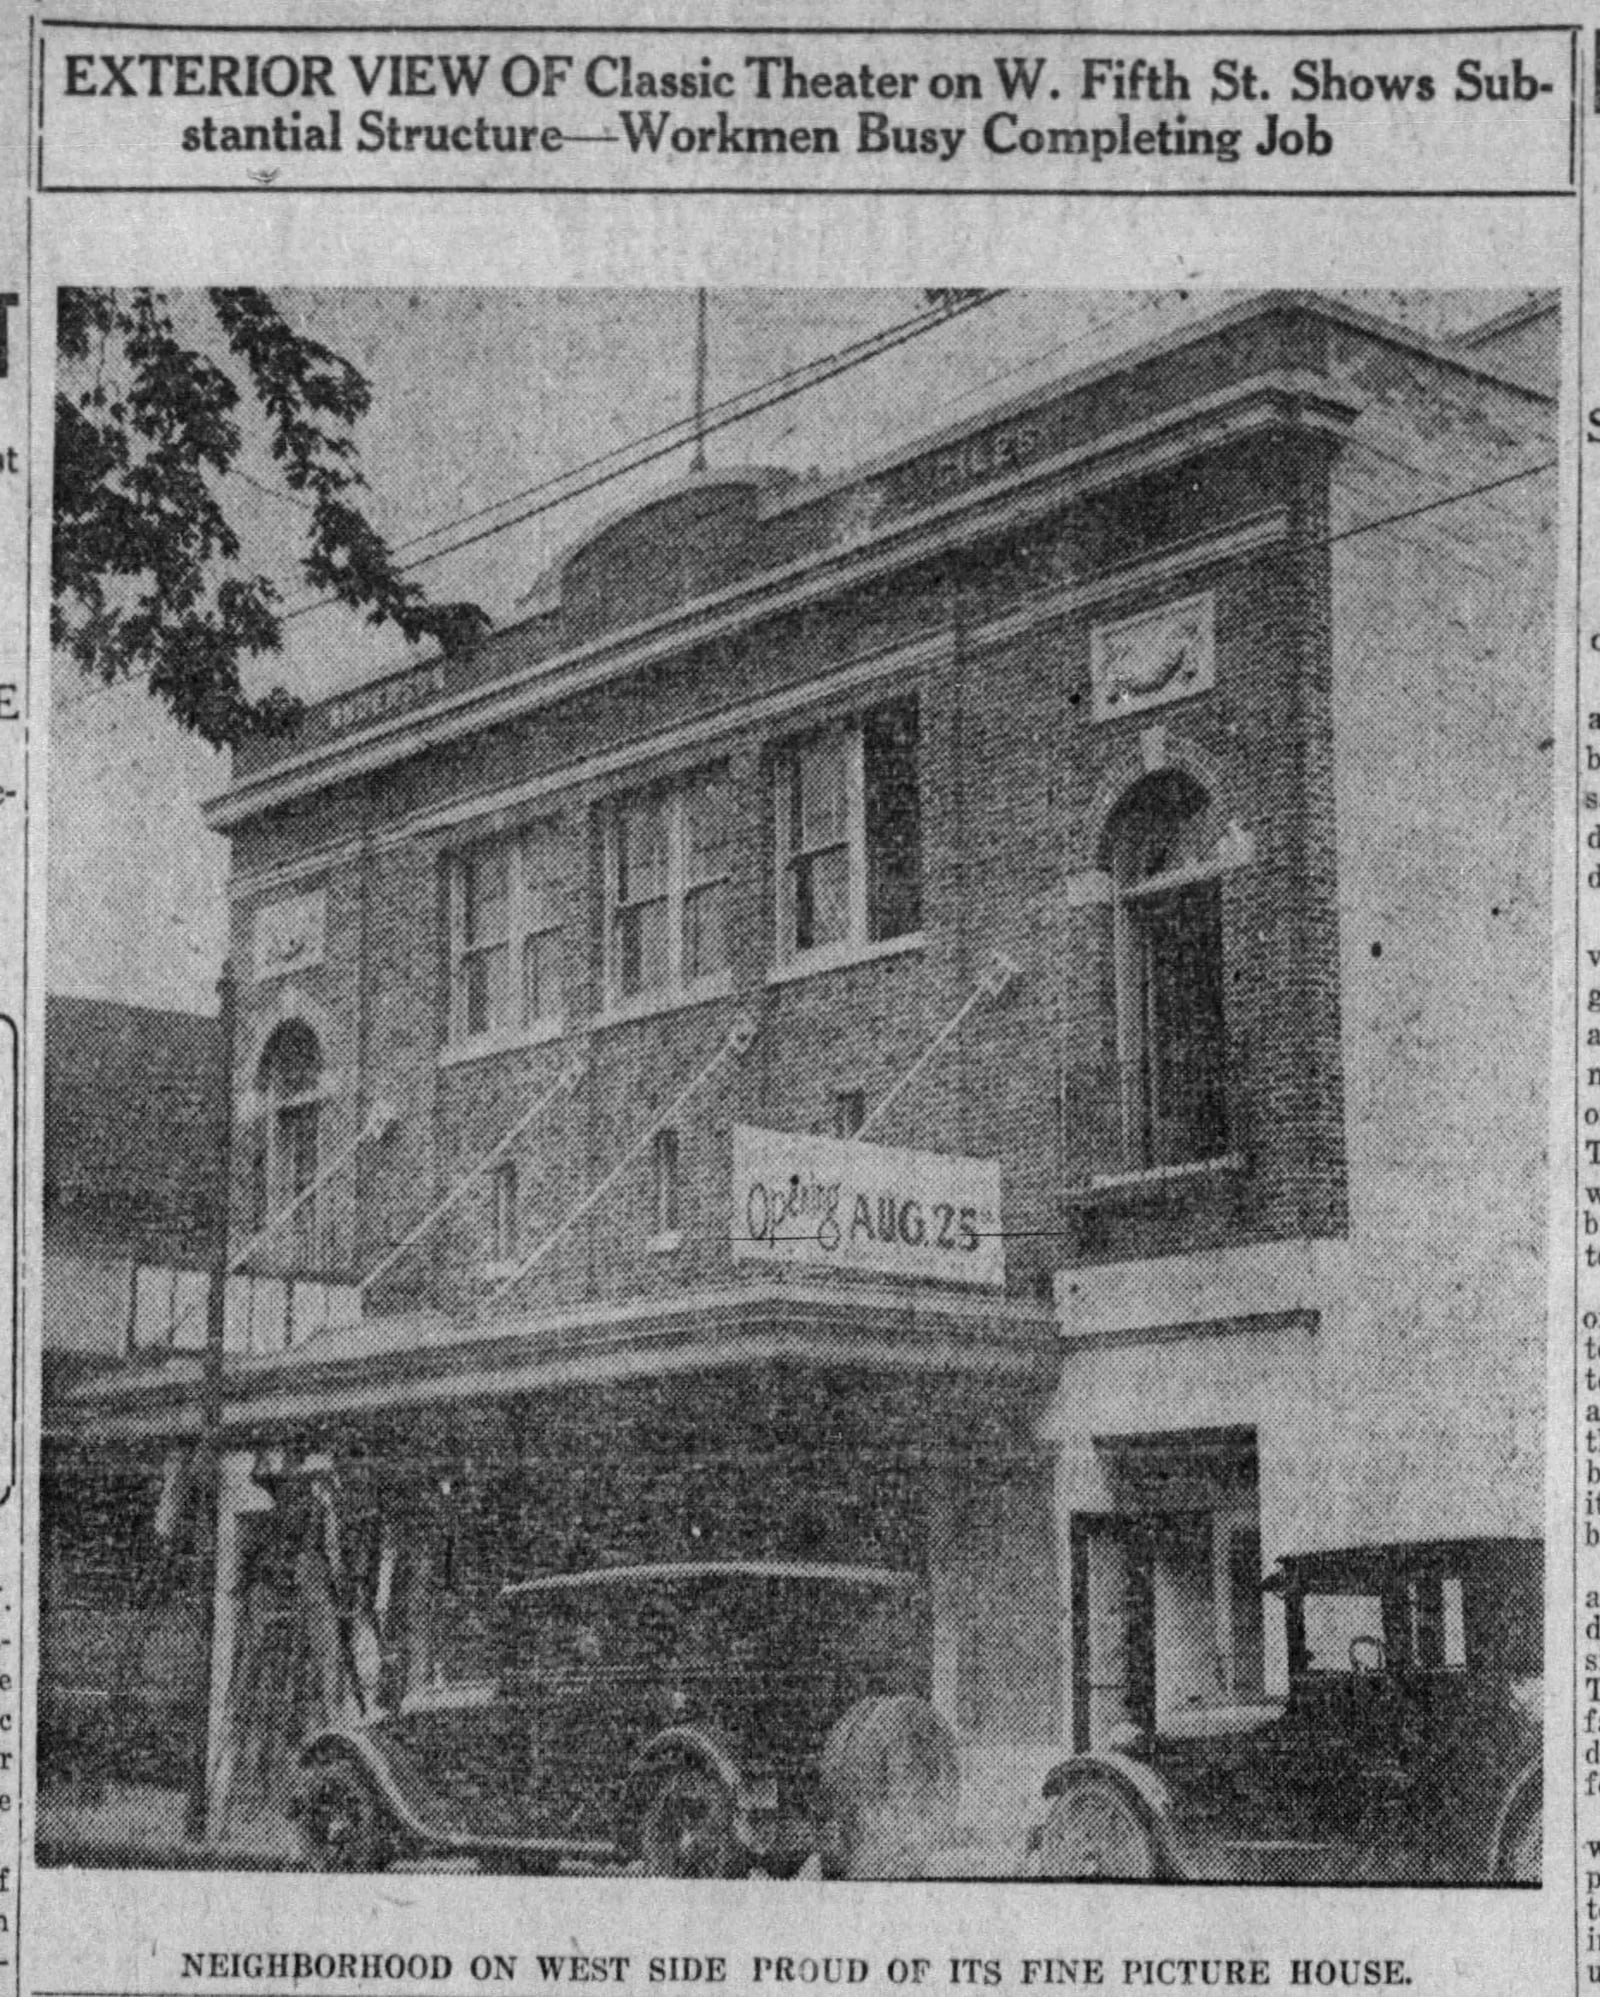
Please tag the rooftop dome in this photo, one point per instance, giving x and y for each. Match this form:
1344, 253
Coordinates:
695, 537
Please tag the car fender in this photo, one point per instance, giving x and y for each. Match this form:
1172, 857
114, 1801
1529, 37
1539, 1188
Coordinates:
1528, 1782
676, 1747
353, 1744
1151, 1790
1152, 1793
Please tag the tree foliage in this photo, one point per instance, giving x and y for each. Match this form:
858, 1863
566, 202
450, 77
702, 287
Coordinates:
147, 581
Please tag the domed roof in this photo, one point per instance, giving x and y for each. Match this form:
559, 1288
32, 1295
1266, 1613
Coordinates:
685, 541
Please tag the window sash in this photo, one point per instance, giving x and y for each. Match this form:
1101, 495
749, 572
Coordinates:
672, 938
541, 976
503, 1219
821, 856
297, 1140
1176, 1022
847, 882
486, 893
506, 976
666, 1160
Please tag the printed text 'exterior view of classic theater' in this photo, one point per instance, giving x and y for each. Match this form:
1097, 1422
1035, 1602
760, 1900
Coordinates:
982, 1016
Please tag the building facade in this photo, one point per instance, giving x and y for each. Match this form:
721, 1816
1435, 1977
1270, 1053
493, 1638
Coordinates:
985, 1015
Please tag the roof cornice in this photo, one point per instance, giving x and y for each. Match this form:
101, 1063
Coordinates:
1297, 399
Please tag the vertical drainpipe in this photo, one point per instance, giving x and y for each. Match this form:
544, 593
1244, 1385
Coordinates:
210, 1447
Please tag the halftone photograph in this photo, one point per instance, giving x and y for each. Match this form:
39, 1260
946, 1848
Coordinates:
796, 1084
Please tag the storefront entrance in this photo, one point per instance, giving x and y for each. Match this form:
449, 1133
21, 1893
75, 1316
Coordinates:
1165, 1589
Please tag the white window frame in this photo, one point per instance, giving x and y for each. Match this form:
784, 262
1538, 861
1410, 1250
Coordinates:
286, 1109
666, 1190
505, 1232
548, 833
1130, 899
521, 928
677, 988
857, 943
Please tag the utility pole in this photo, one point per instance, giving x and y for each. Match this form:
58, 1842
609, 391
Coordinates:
208, 1453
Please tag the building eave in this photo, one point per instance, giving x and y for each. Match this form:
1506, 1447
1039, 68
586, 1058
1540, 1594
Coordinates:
1280, 399
363, 1371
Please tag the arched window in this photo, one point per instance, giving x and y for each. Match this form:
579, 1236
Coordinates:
1171, 1023
290, 1082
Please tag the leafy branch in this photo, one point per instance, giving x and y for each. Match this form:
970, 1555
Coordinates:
146, 575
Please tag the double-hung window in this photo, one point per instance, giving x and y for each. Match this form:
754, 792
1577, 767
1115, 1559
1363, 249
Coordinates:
291, 1080
667, 892
506, 920
1172, 1023
849, 825
505, 1239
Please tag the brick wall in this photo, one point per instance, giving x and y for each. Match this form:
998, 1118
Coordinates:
1018, 785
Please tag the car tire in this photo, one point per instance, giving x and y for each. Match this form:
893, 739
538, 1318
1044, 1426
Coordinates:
342, 1827
686, 1828
1097, 1828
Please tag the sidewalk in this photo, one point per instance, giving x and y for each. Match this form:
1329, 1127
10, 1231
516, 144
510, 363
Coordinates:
129, 1825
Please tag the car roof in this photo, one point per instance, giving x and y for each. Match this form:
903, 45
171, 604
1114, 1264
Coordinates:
1506, 1559
695, 1570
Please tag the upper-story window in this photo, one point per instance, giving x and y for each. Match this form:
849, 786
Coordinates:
291, 1084
849, 822
1169, 965
506, 917
666, 1192
505, 1235
667, 891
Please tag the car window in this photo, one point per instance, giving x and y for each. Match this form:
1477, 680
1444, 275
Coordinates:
1435, 1624
1334, 1622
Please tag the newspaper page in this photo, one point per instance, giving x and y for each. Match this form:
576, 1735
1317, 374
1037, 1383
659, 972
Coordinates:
800, 1011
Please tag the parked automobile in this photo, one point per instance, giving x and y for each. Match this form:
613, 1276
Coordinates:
669, 1717
1409, 1746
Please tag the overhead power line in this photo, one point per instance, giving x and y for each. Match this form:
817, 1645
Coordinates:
824, 370
682, 428
1308, 543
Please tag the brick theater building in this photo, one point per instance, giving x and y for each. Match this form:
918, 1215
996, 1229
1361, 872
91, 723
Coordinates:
984, 1015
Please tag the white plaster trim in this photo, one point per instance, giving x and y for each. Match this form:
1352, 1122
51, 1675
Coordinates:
292, 873
1186, 333
650, 1005
689, 736
1201, 424
885, 1313
1155, 1294
250, 1105
486, 1046
901, 660
841, 957
279, 1007
1161, 1175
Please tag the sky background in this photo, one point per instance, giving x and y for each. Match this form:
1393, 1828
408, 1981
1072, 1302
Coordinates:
478, 396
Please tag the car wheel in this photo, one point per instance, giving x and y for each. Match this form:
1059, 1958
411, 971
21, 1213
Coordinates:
686, 1831
1097, 1829
341, 1822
